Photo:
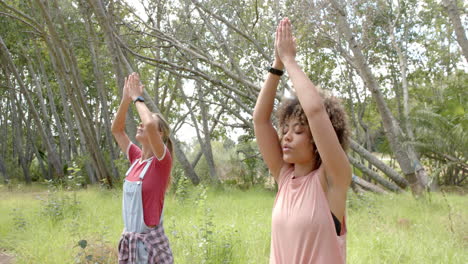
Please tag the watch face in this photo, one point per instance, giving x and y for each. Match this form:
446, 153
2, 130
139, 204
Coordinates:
139, 99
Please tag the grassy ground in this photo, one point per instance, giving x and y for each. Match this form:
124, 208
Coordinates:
226, 226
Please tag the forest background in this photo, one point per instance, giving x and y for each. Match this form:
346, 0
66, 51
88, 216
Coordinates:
399, 68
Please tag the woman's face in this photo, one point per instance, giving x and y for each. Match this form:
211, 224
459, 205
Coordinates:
141, 134
296, 142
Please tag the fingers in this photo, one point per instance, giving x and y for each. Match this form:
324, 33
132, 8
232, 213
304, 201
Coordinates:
130, 80
282, 29
288, 29
133, 78
133, 82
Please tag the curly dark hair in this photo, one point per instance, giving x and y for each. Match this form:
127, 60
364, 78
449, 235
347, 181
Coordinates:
291, 108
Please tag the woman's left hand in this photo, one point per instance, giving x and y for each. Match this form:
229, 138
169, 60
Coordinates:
286, 43
135, 88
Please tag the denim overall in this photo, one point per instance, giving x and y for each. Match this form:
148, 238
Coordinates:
132, 211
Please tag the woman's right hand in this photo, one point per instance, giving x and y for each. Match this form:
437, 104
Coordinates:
125, 93
277, 64
285, 41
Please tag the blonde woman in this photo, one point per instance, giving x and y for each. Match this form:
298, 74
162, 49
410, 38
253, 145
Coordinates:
146, 181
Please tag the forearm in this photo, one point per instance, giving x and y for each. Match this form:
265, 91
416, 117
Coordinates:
144, 113
266, 97
306, 91
118, 125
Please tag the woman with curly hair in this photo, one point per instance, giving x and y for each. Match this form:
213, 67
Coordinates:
307, 160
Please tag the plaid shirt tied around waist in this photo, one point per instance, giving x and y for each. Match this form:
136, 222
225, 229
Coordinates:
155, 241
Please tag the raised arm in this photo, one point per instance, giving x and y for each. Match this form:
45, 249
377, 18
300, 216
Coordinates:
149, 122
118, 125
334, 159
266, 135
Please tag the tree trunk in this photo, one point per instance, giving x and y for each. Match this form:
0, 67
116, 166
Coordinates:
43, 109
18, 138
45, 172
121, 65
405, 155
8, 63
366, 185
207, 141
387, 170
3, 170
204, 144
67, 60
374, 175
188, 169
403, 63
92, 40
215, 123
460, 32
64, 143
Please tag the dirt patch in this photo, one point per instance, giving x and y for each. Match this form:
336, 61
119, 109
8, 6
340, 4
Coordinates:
5, 258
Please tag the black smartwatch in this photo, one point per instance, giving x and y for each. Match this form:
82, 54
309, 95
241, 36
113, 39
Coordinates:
139, 99
275, 71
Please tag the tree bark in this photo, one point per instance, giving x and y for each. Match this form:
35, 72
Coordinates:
207, 135
43, 109
3, 170
188, 169
67, 60
92, 40
460, 32
405, 155
367, 185
387, 170
403, 63
204, 144
18, 138
67, 146
8, 63
120, 64
215, 123
388, 185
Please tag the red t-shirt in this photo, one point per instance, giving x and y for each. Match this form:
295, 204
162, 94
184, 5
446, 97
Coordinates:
154, 183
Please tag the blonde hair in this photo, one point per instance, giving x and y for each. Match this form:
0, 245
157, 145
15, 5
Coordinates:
166, 136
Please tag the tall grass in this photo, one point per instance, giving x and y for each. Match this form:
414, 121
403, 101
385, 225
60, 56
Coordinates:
226, 226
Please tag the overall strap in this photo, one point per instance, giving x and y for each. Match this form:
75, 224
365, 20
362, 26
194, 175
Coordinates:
131, 167
143, 172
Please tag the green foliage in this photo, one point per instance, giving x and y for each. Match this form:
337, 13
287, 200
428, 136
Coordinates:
18, 219
59, 205
181, 187
213, 243
231, 41
96, 251
441, 130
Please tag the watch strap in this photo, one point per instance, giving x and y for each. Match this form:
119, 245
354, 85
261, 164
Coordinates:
139, 99
275, 71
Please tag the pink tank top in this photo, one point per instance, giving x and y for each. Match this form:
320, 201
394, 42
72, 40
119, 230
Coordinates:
302, 228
